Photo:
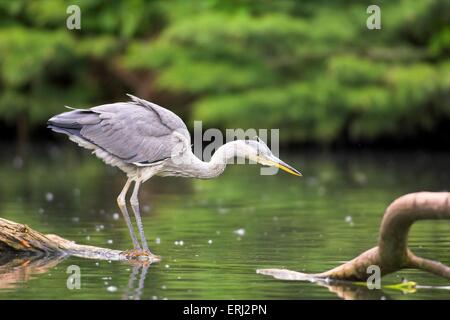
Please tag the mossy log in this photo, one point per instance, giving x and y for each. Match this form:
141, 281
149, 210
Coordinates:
20, 240
392, 253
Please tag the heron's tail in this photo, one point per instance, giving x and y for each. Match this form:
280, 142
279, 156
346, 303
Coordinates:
72, 122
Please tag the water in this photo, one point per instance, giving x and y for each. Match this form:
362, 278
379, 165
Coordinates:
213, 235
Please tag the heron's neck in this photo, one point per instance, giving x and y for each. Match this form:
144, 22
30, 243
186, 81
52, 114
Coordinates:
218, 162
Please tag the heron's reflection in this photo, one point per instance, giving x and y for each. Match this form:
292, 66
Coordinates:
15, 271
134, 292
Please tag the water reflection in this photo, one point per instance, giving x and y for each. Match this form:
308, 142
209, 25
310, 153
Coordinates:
351, 291
135, 289
15, 271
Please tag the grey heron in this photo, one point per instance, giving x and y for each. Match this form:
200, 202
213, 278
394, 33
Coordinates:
144, 140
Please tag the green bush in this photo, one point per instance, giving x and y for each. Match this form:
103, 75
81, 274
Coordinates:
312, 69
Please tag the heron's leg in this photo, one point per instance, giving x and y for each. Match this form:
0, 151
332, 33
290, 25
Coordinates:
135, 205
123, 208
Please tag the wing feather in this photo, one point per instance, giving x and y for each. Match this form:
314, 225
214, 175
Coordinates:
136, 132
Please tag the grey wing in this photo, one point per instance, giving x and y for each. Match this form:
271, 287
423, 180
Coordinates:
135, 132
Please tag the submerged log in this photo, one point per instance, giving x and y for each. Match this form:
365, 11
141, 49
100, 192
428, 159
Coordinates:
20, 240
392, 253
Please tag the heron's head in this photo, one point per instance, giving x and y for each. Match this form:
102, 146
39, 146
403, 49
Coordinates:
258, 151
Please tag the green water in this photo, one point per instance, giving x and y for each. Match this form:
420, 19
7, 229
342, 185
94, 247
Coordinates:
307, 224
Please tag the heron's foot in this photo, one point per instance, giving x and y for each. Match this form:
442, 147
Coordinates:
142, 255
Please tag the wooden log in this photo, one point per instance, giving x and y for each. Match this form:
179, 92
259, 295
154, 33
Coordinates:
392, 253
20, 240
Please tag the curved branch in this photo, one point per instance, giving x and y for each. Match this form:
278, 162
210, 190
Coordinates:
400, 215
392, 253
429, 265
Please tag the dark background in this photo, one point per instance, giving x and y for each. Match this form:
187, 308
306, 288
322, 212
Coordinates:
310, 68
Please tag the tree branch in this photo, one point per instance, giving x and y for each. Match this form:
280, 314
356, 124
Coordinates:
19, 239
392, 253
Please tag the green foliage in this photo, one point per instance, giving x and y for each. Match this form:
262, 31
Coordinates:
312, 69
318, 77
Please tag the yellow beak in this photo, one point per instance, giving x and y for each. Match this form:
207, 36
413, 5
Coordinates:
288, 168
284, 166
